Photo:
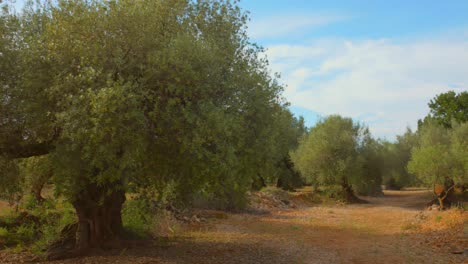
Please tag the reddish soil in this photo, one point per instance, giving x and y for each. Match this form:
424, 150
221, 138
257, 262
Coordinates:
381, 231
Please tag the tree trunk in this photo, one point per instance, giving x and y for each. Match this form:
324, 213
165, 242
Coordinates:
99, 218
441, 203
348, 193
444, 193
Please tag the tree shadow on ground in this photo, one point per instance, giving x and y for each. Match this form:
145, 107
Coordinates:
249, 239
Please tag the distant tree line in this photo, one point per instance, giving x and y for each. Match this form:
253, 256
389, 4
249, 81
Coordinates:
340, 153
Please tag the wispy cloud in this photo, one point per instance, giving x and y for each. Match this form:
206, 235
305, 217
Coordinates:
288, 24
385, 82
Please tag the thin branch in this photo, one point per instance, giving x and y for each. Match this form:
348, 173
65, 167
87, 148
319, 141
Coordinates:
21, 150
447, 192
25, 151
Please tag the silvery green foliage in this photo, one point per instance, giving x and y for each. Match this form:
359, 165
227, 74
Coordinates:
141, 93
441, 157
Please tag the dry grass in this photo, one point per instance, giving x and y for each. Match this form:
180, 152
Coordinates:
445, 231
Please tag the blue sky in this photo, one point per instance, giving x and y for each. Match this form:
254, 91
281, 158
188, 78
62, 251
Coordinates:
379, 62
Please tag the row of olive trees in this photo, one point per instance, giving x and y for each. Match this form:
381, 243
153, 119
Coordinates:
119, 96
396, 156
435, 154
445, 109
340, 152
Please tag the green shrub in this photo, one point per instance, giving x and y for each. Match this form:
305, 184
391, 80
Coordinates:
36, 228
3, 235
29, 202
138, 216
25, 232
3, 232
276, 192
53, 222
334, 192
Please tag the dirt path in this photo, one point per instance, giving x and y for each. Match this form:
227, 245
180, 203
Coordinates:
364, 233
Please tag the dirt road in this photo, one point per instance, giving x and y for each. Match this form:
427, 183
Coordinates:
364, 233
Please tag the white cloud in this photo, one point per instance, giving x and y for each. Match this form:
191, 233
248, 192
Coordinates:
287, 24
382, 81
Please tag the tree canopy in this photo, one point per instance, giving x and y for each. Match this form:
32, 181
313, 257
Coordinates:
440, 159
139, 94
338, 151
448, 107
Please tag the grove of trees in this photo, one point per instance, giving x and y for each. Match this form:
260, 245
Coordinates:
100, 99
340, 153
105, 97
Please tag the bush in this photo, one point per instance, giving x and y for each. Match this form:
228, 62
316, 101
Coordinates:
138, 216
3, 235
37, 227
334, 192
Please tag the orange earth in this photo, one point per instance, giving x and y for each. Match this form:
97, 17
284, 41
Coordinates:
393, 228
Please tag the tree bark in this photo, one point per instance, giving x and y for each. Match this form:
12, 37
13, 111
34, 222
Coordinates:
441, 202
348, 193
99, 218
443, 196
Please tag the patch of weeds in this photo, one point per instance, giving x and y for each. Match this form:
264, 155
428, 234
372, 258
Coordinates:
9, 219
18, 248
3, 235
296, 227
18, 232
50, 230
29, 202
36, 228
3, 232
25, 232
438, 218
137, 217
335, 193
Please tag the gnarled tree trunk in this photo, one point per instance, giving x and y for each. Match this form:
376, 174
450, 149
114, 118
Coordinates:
442, 192
99, 218
348, 193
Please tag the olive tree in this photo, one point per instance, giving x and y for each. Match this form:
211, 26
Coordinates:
370, 166
396, 156
440, 158
329, 154
143, 93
